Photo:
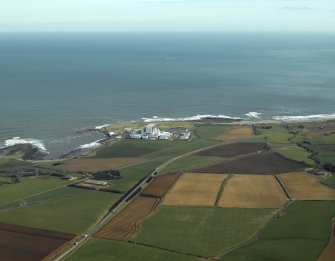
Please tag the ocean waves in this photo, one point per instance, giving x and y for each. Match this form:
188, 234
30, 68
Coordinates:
191, 118
305, 117
34, 142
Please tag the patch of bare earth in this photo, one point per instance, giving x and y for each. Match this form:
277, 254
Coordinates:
92, 165
234, 149
236, 133
252, 191
125, 224
160, 185
303, 186
194, 189
22, 243
261, 163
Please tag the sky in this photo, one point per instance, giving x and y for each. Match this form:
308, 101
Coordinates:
167, 15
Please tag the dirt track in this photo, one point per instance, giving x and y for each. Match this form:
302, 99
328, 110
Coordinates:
262, 163
21, 243
160, 185
252, 191
234, 149
92, 165
125, 224
303, 186
238, 132
194, 189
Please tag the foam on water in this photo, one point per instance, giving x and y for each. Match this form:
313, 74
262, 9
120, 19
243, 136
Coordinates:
17, 140
91, 145
254, 114
306, 117
192, 118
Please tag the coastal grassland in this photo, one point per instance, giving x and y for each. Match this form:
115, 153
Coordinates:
204, 231
296, 153
178, 148
211, 131
103, 249
130, 175
66, 209
281, 137
12, 162
189, 162
300, 234
27, 187
329, 180
129, 148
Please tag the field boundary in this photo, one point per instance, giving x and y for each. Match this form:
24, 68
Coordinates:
331, 234
281, 184
256, 235
219, 195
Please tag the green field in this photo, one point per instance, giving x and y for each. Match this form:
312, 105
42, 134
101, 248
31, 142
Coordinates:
201, 231
211, 131
27, 187
282, 137
298, 235
130, 175
102, 249
296, 153
190, 162
65, 209
11, 162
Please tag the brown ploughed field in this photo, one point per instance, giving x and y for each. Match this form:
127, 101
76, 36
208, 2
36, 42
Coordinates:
160, 185
321, 131
92, 165
23, 243
125, 224
194, 189
252, 191
262, 163
234, 149
328, 254
302, 186
237, 132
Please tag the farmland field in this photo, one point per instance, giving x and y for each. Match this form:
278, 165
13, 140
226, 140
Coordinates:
66, 209
300, 234
125, 224
302, 186
236, 133
92, 165
24, 243
252, 191
194, 189
262, 163
190, 162
27, 187
201, 231
234, 149
160, 185
106, 250
296, 153
328, 254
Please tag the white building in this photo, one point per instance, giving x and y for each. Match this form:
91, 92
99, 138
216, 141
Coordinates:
150, 132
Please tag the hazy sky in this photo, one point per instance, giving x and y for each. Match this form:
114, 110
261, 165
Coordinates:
167, 15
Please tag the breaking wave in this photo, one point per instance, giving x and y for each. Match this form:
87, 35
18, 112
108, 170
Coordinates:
254, 114
306, 117
101, 126
91, 145
192, 118
17, 140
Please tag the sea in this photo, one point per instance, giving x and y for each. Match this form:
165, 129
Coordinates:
54, 84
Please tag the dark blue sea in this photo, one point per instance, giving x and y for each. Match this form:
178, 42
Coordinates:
52, 84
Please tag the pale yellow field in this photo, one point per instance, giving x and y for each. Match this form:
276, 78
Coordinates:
195, 189
238, 132
302, 186
252, 191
